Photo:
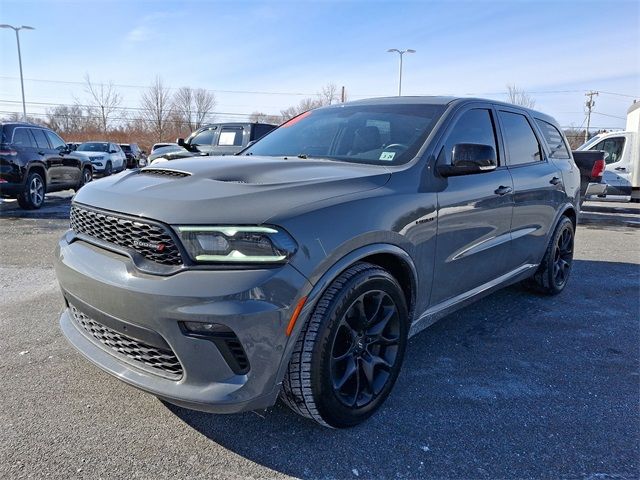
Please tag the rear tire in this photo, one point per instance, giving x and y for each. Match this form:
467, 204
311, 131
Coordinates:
348, 356
553, 273
32, 197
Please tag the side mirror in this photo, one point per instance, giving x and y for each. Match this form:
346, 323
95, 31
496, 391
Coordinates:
469, 158
180, 141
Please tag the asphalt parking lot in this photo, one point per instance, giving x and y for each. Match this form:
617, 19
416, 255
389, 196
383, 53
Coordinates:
515, 386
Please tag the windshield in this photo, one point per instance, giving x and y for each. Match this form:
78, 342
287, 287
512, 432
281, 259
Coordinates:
93, 147
373, 134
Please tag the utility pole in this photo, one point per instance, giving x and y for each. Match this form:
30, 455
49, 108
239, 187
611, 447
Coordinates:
17, 29
342, 99
589, 104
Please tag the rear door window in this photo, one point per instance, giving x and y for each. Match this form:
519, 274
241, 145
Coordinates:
554, 139
521, 143
231, 137
22, 138
41, 138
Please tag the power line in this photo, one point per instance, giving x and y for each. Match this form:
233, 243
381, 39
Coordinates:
257, 92
69, 82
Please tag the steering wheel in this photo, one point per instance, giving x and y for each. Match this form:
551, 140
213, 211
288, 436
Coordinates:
397, 145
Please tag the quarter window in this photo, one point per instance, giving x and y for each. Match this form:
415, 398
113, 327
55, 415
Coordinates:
22, 138
474, 126
521, 143
612, 147
41, 139
553, 137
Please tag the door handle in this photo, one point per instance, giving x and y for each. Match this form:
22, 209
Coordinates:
555, 181
502, 190
40, 153
621, 169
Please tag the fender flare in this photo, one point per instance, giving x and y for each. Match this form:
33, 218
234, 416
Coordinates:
39, 165
328, 277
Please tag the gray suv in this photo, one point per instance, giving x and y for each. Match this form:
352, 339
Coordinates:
299, 269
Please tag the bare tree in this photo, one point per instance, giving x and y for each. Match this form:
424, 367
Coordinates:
156, 106
518, 96
204, 102
104, 101
329, 94
193, 106
68, 119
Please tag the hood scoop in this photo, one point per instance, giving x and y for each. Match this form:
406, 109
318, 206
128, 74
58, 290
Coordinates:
165, 172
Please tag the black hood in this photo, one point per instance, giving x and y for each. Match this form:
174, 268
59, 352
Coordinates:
228, 190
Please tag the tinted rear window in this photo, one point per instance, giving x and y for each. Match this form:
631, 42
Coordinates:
522, 144
553, 137
41, 138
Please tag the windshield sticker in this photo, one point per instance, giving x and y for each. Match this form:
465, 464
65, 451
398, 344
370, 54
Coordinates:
387, 155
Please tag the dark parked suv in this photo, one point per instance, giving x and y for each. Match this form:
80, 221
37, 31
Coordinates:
133, 154
34, 160
225, 138
300, 269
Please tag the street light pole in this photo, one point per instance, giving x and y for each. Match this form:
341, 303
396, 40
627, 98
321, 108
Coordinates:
400, 53
16, 29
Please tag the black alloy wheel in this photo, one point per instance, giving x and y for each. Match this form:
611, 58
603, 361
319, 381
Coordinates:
563, 257
365, 348
552, 275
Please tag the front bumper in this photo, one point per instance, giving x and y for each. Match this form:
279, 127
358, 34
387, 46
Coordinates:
255, 304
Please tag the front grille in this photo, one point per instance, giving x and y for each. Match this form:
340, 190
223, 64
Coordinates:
149, 240
164, 172
160, 361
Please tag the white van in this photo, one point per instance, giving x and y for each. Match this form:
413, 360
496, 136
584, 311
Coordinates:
622, 154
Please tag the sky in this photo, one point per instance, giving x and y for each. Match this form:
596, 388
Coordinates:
268, 55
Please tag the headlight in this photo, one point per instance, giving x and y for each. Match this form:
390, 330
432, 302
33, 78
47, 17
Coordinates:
94, 159
237, 244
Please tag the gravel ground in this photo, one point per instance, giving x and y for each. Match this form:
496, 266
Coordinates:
515, 386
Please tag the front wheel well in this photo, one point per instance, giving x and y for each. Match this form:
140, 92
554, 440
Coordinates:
400, 270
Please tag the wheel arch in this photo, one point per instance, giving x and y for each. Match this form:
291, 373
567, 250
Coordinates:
41, 169
387, 256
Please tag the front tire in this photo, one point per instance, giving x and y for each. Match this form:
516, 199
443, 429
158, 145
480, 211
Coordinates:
348, 356
553, 273
85, 177
108, 169
32, 197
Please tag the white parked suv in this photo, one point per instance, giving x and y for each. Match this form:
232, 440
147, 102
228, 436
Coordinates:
106, 157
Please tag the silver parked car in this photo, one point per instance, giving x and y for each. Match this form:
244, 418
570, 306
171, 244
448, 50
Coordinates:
300, 268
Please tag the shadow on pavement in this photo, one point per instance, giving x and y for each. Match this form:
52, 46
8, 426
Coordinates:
516, 385
56, 206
